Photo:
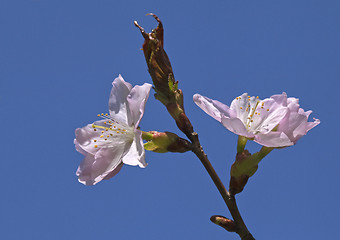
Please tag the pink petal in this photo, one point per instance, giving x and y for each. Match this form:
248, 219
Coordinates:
95, 168
118, 99
273, 139
236, 126
136, 100
114, 172
213, 108
280, 99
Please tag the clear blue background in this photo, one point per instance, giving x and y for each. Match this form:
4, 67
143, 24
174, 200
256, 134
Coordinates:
57, 62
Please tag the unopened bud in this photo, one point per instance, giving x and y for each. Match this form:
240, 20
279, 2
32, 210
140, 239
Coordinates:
162, 142
157, 60
159, 66
224, 222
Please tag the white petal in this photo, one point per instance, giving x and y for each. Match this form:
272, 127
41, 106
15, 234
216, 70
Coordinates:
213, 108
136, 100
236, 126
86, 135
136, 154
270, 115
118, 100
95, 168
242, 106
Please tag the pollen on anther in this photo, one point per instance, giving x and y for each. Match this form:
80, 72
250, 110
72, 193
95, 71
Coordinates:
268, 110
102, 131
117, 131
98, 115
241, 107
106, 114
101, 136
95, 146
102, 114
104, 122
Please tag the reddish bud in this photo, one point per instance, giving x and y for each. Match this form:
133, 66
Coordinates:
224, 222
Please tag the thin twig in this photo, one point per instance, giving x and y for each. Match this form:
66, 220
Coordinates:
229, 199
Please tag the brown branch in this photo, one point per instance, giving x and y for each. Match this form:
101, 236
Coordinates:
229, 199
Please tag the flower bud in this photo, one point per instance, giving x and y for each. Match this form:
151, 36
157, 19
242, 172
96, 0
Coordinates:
160, 70
159, 65
162, 142
224, 222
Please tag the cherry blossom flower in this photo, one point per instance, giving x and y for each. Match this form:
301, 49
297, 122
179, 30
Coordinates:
115, 140
272, 122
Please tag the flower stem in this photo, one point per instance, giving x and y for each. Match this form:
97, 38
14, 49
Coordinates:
230, 200
241, 143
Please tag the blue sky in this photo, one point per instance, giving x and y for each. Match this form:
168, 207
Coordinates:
57, 62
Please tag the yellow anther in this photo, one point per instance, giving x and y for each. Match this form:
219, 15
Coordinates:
114, 126
104, 122
95, 146
102, 131
106, 114
101, 136
93, 126
257, 97
108, 136
102, 114
117, 131
240, 107
268, 110
109, 121
111, 134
